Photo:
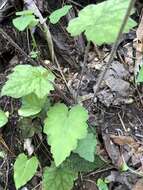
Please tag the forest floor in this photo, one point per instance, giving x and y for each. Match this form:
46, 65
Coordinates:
115, 114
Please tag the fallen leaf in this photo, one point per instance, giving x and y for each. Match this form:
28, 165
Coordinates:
138, 185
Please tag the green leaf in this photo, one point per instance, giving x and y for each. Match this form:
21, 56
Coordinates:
58, 14
101, 184
58, 178
31, 105
64, 128
24, 169
86, 147
24, 21
34, 54
101, 23
27, 79
25, 12
2, 154
140, 75
3, 118
78, 164
124, 167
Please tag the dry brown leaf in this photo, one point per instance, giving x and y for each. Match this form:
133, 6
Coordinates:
138, 185
126, 140
122, 140
113, 151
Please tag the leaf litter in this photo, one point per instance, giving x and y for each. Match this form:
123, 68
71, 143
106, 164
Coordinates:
120, 138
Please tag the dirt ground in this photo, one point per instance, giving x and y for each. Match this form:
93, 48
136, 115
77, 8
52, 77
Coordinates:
116, 113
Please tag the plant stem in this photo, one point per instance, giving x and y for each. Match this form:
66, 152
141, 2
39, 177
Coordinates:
114, 49
32, 6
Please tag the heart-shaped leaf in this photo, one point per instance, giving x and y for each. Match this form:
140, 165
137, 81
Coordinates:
24, 169
64, 128
26, 19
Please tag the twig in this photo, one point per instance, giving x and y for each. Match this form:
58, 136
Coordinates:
114, 49
75, 3
63, 96
16, 46
123, 125
83, 70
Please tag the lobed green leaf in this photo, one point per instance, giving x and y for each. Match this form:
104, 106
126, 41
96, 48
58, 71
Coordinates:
64, 128
27, 79
101, 23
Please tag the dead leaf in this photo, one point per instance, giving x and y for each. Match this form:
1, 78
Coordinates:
122, 140
125, 140
138, 185
113, 151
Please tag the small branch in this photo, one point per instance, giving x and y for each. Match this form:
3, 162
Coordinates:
16, 46
114, 49
83, 70
63, 96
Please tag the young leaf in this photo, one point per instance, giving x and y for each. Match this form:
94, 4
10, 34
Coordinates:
25, 19
31, 105
101, 23
2, 154
64, 128
3, 118
58, 14
101, 184
24, 169
86, 147
58, 178
34, 54
27, 79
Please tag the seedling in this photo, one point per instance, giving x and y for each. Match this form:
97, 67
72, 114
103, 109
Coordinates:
66, 128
